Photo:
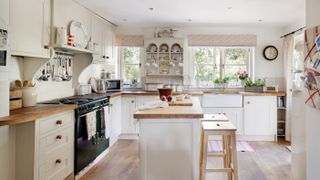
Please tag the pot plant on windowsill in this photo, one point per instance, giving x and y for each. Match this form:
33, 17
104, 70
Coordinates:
221, 83
256, 86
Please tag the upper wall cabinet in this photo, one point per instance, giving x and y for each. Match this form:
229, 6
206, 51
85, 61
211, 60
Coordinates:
102, 37
4, 11
30, 27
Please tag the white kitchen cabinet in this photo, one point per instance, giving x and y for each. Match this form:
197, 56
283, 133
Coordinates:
30, 27
102, 36
235, 116
45, 148
128, 123
115, 118
260, 115
4, 11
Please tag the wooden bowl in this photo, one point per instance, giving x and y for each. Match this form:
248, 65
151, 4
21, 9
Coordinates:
165, 92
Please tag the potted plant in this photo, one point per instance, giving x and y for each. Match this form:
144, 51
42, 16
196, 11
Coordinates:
242, 76
256, 86
221, 83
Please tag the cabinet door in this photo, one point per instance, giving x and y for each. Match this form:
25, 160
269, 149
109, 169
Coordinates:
129, 124
108, 44
30, 27
97, 28
4, 11
115, 115
235, 116
260, 115
142, 100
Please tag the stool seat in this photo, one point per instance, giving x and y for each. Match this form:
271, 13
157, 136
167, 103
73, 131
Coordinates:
215, 117
216, 125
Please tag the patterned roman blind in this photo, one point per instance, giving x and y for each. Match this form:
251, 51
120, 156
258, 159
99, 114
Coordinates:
248, 40
129, 40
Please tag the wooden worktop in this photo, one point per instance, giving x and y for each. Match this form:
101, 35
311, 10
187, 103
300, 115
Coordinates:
28, 114
172, 112
196, 93
147, 93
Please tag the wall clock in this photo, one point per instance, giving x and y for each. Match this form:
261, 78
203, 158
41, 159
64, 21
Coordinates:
270, 53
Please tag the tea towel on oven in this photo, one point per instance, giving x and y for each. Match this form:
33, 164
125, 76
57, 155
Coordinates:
91, 121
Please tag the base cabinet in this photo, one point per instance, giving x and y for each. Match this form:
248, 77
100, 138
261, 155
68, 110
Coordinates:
130, 104
260, 115
115, 118
45, 148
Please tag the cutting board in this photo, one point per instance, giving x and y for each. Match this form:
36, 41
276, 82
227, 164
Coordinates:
185, 102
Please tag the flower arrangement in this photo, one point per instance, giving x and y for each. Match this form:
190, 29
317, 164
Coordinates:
242, 75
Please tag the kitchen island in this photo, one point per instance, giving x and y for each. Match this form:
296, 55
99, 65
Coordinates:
170, 142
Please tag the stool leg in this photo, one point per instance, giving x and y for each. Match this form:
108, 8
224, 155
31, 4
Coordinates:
228, 154
204, 156
224, 146
234, 156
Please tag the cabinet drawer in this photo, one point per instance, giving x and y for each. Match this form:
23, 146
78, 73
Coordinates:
58, 166
55, 122
56, 142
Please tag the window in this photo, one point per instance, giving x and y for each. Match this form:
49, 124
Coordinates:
216, 62
130, 61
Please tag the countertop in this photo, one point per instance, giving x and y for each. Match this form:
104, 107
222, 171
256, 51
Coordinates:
28, 114
195, 93
172, 112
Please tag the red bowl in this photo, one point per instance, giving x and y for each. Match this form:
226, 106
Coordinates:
166, 92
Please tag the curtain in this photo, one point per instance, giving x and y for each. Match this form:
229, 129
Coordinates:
248, 40
288, 46
130, 40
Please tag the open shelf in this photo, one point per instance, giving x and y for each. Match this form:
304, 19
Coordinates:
72, 49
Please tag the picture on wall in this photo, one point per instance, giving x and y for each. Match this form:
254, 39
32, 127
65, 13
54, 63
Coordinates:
312, 66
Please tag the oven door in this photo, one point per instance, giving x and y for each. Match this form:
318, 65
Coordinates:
86, 150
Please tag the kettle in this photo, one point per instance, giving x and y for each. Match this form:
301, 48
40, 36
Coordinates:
101, 86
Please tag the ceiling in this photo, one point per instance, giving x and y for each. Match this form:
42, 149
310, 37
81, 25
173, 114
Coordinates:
198, 12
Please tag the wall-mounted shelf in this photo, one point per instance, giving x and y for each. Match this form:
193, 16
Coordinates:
72, 49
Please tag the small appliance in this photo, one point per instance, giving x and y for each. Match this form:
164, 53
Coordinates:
4, 47
113, 85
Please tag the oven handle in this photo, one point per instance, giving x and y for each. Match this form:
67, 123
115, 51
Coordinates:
97, 109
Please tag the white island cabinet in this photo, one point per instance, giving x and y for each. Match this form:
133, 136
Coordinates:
170, 142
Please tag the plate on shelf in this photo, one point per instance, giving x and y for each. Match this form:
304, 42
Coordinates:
80, 34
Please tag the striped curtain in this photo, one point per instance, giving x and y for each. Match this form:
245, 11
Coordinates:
130, 40
248, 40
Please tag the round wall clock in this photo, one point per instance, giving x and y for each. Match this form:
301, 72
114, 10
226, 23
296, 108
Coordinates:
270, 53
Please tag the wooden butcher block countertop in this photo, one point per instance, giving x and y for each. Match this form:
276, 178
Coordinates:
172, 112
28, 114
147, 93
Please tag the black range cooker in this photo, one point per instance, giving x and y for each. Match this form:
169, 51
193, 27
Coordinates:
87, 148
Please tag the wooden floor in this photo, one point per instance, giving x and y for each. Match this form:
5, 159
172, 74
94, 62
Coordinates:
270, 161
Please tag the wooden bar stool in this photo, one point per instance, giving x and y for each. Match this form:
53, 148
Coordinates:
229, 153
215, 117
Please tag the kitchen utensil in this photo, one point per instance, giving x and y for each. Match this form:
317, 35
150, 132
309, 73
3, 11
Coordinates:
101, 86
80, 34
62, 37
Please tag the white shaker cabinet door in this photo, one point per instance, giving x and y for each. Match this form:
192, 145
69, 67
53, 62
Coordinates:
115, 115
97, 27
30, 27
260, 115
128, 123
108, 44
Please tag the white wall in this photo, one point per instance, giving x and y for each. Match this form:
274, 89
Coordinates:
265, 36
312, 115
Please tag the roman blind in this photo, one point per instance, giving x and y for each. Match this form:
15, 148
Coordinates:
130, 40
248, 40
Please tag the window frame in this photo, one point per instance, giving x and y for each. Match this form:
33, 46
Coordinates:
222, 61
123, 65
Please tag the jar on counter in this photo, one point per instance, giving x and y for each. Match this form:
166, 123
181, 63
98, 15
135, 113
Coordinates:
29, 96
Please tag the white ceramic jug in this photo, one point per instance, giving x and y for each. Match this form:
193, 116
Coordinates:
29, 96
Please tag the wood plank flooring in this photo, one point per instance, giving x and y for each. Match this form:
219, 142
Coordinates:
270, 161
